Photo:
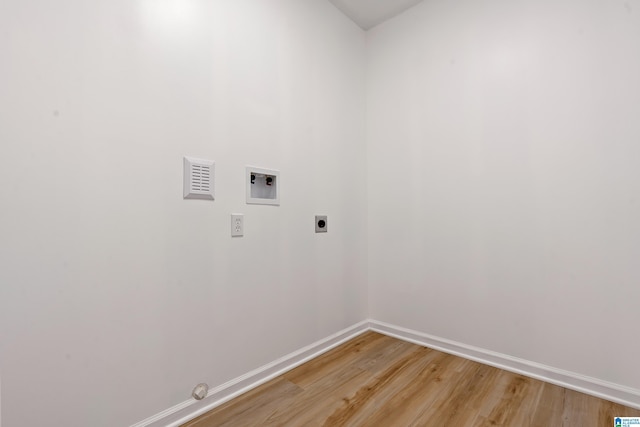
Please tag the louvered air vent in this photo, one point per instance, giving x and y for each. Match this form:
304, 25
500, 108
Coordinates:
198, 178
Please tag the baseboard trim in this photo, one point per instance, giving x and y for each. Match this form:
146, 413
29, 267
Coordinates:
605, 390
190, 409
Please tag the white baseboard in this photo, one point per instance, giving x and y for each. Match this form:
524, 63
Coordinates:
605, 390
190, 409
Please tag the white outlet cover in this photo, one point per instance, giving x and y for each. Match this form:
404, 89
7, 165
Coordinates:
237, 225
199, 180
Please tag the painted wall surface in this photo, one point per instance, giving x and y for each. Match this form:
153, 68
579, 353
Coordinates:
504, 180
117, 296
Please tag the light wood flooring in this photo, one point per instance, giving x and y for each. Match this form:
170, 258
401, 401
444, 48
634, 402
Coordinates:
375, 380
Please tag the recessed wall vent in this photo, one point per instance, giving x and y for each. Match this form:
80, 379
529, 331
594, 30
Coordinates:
198, 179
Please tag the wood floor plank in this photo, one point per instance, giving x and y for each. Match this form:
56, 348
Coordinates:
350, 353
476, 396
377, 361
549, 406
382, 387
418, 393
451, 397
376, 380
515, 390
318, 403
256, 405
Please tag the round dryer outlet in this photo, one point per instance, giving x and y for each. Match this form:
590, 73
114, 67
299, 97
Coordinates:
321, 224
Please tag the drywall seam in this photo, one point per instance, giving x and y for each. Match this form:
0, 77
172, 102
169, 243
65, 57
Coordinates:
190, 409
605, 390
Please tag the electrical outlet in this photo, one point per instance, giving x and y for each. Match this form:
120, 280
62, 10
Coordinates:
321, 224
237, 225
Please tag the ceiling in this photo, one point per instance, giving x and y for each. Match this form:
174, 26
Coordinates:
369, 13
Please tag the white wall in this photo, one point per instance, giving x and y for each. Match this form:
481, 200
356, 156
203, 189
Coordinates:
117, 296
501, 167
504, 186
